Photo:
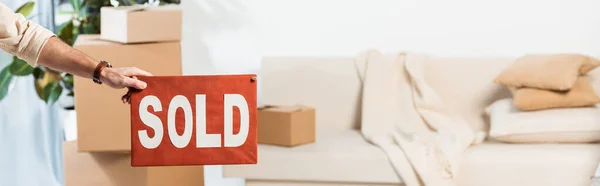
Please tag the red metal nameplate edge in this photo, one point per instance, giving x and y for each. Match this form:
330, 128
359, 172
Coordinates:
194, 120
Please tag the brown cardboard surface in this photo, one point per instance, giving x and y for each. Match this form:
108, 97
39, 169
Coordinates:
114, 169
103, 121
137, 24
286, 125
180, 176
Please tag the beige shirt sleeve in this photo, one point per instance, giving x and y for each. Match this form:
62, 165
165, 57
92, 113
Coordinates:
21, 37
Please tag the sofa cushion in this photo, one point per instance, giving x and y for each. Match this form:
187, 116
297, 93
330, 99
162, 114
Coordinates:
581, 94
343, 156
466, 84
546, 71
566, 125
346, 157
499, 164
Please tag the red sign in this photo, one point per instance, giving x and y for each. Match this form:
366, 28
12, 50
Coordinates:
194, 120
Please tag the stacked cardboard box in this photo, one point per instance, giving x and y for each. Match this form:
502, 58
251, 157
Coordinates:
102, 119
147, 38
113, 169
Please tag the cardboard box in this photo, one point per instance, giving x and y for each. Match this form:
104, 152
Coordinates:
286, 125
103, 121
139, 24
114, 169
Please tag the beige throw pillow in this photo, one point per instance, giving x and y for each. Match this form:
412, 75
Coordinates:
581, 94
547, 71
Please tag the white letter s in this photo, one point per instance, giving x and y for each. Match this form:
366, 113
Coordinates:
151, 121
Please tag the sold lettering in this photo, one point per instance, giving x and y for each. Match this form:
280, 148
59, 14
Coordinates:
203, 139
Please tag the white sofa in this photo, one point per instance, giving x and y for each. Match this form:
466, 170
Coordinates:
340, 155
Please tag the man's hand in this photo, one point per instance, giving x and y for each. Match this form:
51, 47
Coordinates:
123, 77
60, 56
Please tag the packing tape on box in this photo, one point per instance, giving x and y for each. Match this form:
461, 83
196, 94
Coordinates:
289, 108
145, 7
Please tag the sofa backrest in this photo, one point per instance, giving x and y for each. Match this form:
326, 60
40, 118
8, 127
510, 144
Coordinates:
333, 87
466, 85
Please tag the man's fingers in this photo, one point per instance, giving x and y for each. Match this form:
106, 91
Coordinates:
133, 71
135, 83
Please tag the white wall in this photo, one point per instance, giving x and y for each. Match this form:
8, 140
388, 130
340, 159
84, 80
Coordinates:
231, 36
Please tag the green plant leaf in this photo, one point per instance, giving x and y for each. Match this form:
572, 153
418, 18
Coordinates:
52, 92
26, 8
92, 26
68, 80
170, 1
83, 13
83, 3
5, 79
76, 5
20, 68
95, 4
62, 26
38, 73
43, 80
39, 90
66, 32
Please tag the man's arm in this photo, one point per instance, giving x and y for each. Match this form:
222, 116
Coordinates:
59, 56
21, 37
39, 46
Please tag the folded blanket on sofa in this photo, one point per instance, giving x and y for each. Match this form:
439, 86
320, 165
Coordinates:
424, 140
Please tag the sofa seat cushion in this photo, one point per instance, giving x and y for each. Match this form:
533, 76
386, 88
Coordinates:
342, 156
500, 164
346, 157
